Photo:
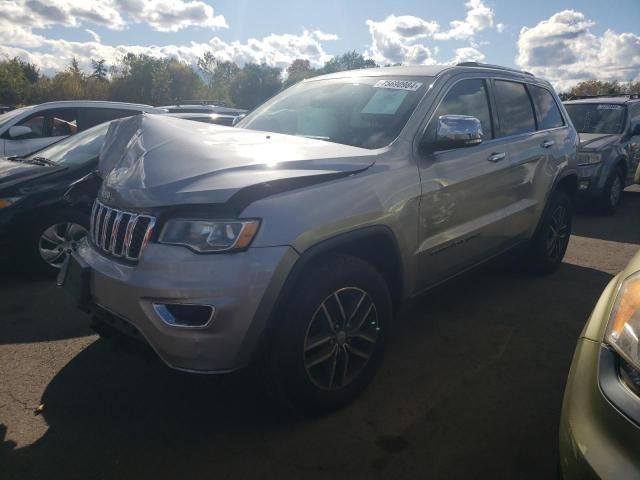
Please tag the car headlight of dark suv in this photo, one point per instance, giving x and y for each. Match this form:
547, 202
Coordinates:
210, 236
623, 332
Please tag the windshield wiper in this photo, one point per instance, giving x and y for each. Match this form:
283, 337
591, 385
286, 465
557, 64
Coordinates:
40, 161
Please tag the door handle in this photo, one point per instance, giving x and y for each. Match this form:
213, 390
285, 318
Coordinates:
548, 143
495, 157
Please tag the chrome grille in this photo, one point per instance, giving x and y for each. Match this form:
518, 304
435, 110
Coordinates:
119, 233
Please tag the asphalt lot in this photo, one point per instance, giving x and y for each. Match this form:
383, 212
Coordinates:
471, 387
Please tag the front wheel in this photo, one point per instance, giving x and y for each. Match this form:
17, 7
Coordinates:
54, 238
546, 249
332, 336
612, 195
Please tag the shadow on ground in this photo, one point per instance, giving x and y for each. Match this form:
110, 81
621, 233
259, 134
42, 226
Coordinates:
623, 226
471, 388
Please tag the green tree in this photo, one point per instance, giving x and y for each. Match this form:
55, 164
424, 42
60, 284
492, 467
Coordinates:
348, 61
99, 69
13, 82
254, 84
298, 71
207, 64
596, 87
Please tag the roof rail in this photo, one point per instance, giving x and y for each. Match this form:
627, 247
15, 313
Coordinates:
632, 96
495, 67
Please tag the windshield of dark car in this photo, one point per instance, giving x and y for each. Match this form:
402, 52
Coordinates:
366, 112
597, 117
76, 149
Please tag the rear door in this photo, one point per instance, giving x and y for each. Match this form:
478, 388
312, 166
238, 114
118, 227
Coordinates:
532, 153
467, 193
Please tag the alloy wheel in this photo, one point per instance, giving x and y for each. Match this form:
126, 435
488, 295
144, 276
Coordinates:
341, 338
58, 240
558, 233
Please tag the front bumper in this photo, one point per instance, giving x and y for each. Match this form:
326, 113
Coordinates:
243, 288
596, 439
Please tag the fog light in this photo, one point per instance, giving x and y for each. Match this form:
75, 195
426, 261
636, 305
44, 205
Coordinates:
185, 315
583, 185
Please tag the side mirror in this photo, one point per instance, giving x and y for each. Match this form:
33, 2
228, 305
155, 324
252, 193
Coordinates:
456, 131
237, 119
19, 131
635, 130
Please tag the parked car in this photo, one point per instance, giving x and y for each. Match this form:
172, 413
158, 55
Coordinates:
37, 226
609, 152
216, 118
28, 129
203, 107
600, 424
5, 109
295, 236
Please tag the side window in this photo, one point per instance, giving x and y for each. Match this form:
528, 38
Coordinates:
547, 110
468, 97
37, 125
63, 122
514, 108
90, 117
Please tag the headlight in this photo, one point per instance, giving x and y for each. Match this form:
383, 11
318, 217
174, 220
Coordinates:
210, 236
8, 201
623, 330
589, 158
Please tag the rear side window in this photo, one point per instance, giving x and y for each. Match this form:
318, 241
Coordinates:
514, 108
547, 110
468, 97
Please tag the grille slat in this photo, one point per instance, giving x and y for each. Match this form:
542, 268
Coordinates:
119, 233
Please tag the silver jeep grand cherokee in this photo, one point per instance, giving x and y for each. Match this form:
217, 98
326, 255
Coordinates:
295, 237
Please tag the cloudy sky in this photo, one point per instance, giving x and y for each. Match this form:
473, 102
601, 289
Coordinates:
564, 41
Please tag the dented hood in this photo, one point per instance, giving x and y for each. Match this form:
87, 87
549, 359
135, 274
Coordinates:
154, 160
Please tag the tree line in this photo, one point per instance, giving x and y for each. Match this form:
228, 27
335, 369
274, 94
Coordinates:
140, 78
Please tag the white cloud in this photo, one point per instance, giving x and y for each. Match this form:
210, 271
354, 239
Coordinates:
479, 17
69, 13
500, 27
400, 39
161, 15
393, 40
276, 49
322, 36
94, 35
171, 15
564, 50
468, 54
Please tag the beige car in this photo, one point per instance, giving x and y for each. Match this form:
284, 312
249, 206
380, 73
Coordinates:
600, 425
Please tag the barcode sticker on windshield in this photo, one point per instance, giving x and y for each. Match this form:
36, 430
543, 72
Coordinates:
398, 85
608, 106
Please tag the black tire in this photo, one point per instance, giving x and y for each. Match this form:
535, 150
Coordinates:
31, 248
546, 249
612, 195
311, 389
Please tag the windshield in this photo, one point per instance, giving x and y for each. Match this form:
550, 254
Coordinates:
597, 117
366, 112
6, 118
76, 149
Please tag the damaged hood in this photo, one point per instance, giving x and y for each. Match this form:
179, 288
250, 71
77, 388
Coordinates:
596, 141
154, 160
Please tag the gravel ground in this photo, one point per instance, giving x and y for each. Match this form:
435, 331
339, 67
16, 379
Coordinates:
471, 387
